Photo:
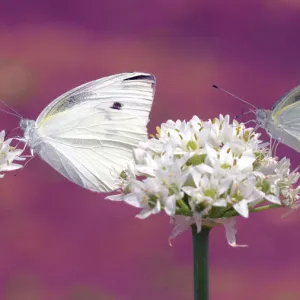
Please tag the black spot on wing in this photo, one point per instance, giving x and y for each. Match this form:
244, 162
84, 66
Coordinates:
296, 98
117, 105
140, 77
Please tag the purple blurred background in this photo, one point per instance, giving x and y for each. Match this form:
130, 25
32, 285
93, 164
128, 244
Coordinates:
61, 242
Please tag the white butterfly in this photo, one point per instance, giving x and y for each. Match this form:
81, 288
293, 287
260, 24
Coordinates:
282, 122
88, 133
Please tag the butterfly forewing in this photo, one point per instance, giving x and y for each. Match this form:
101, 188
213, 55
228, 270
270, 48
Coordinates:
134, 91
293, 96
285, 123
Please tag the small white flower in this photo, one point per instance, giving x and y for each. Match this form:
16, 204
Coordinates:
8, 155
147, 194
208, 193
206, 173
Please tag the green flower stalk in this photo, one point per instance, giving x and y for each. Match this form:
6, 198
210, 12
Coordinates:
200, 257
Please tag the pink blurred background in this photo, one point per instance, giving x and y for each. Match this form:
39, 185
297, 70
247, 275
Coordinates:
61, 242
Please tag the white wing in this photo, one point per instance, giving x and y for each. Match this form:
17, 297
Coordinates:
88, 134
289, 98
134, 91
91, 146
287, 125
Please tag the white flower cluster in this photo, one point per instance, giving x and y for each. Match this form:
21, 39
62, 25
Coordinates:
8, 155
206, 172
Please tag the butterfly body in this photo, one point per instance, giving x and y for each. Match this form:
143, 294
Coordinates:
88, 133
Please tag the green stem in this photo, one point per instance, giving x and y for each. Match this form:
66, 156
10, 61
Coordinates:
184, 212
200, 251
233, 213
265, 207
228, 213
182, 205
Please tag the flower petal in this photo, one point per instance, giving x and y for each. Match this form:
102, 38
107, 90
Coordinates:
118, 197
170, 205
133, 199
242, 208
220, 203
231, 232
273, 199
145, 213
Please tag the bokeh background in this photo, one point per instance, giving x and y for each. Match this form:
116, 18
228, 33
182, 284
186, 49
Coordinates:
61, 242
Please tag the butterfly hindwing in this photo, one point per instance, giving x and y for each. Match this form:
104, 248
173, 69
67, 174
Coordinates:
95, 145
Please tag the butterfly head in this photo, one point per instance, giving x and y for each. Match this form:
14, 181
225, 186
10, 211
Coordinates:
27, 126
261, 117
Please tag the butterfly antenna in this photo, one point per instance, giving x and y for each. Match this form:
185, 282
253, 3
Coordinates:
16, 113
10, 113
221, 89
244, 113
240, 115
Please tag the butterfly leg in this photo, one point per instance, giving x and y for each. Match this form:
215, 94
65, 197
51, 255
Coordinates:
256, 127
30, 159
26, 163
20, 139
23, 157
277, 144
250, 121
271, 144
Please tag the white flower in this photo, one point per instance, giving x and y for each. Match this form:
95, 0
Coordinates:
206, 173
8, 155
146, 194
207, 193
242, 194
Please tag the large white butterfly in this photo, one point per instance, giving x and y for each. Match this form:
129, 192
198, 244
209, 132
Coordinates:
88, 133
282, 121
